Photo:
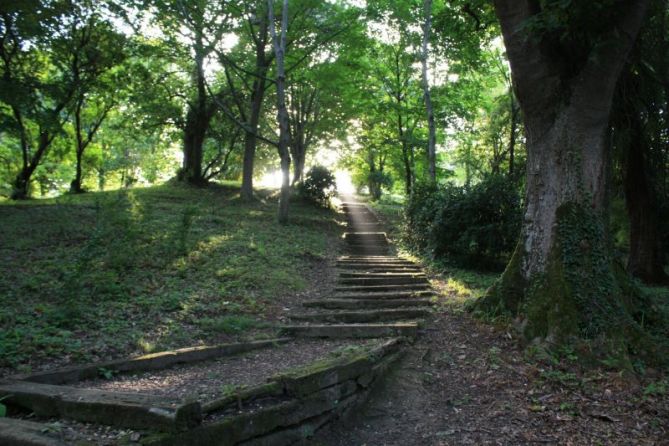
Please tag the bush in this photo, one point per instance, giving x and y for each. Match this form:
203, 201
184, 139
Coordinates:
476, 226
318, 186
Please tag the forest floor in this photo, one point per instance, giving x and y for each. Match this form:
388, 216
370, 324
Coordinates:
110, 275
470, 382
102, 276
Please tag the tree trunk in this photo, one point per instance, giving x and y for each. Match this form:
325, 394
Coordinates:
298, 163
646, 259
512, 136
282, 110
562, 280
194, 136
75, 186
21, 189
197, 124
432, 132
250, 140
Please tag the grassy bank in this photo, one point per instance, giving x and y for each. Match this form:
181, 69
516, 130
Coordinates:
103, 275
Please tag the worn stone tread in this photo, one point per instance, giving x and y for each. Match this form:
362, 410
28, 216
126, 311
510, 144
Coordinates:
25, 433
381, 275
372, 288
362, 267
407, 329
386, 295
352, 304
131, 410
363, 316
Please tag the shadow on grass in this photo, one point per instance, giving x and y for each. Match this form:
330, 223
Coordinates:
106, 274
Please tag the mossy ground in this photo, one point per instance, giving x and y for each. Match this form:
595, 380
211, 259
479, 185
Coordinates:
107, 274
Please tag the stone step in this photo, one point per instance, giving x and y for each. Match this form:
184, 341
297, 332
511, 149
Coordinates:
372, 288
362, 242
408, 329
386, 280
353, 304
363, 220
374, 275
386, 295
26, 433
376, 259
124, 409
367, 250
366, 234
364, 316
379, 261
380, 268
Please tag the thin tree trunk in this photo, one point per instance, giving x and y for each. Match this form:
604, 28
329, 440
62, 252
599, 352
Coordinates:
250, 140
256, 101
22, 180
432, 132
512, 136
282, 110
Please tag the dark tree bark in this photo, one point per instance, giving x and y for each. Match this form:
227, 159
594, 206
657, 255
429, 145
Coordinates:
197, 123
646, 259
513, 109
282, 110
83, 140
562, 280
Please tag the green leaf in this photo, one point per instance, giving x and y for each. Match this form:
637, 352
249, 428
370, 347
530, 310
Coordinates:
3, 410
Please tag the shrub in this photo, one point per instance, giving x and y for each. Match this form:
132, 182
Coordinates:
473, 226
318, 186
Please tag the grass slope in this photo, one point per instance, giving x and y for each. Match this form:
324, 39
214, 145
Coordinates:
109, 274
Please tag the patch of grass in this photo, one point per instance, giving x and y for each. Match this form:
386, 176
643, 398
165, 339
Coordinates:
117, 273
229, 324
657, 388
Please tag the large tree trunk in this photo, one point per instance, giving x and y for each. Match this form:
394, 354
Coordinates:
282, 110
562, 280
432, 132
646, 259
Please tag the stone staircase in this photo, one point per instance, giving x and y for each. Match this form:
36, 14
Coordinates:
377, 293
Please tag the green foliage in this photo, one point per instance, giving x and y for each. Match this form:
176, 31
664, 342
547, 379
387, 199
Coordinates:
106, 373
656, 388
472, 226
319, 186
232, 324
